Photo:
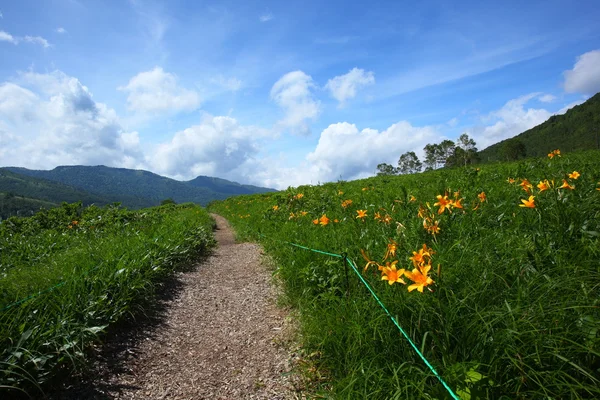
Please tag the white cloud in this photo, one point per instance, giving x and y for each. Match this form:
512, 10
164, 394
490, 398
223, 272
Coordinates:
37, 40
510, 120
343, 87
53, 120
157, 91
266, 17
292, 92
547, 98
60, 29
7, 37
219, 146
345, 152
585, 75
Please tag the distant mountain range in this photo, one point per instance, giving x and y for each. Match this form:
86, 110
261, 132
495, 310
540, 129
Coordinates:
103, 185
577, 129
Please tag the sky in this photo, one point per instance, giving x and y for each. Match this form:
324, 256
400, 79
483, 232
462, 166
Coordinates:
281, 94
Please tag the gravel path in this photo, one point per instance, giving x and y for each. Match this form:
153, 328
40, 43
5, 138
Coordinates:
221, 336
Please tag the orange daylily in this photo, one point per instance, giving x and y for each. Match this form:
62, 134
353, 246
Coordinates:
315, 221
393, 275
412, 199
275, 208
367, 259
377, 216
346, 203
566, 185
574, 175
299, 196
528, 203
443, 203
324, 220
361, 214
543, 185
457, 204
510, 180
420, 278
387, 219
391, 249
482, 197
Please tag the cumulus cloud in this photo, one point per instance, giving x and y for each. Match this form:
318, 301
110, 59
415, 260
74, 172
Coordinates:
345, 152
53, 120
344, 87
547, 98
293, 93
585, 75
157, 91
510, 120
7, 37
219, 146
60, 29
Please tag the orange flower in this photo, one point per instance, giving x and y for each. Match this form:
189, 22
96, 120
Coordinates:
393, 275
365, 189
574, 175
299, 196
275, 208
303, 213
391, 249
551, 155
528, 203
346, 203
292, 216
418, 258
361, 214
443, 203
336, 220
316, 221
543, 185
324, 220
387, 219
340, 193
526, 185
377, 216
510, 180
482, 197
457, 204
75, 222
367, 259
566, 185
420, 278
412, 199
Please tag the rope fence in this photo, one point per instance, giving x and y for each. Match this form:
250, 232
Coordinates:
349, 261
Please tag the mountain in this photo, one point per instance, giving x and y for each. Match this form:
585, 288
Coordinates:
138, 188
578, 129
225, 186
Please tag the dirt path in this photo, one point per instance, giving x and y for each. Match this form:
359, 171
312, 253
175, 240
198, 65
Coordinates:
220, 336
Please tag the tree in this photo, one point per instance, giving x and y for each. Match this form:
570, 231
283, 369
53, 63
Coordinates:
445, 150
469, 151
386, 169
431, 152
167, 201
513, 149
409, 163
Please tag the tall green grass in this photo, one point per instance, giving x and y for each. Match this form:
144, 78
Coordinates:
68, 273
514, 311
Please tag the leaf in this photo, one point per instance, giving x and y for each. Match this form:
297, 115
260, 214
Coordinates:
95, 329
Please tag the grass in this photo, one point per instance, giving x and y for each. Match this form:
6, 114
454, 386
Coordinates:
515, 308
68, 273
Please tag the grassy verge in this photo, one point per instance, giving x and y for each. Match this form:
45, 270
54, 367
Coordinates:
514, 307
67, 273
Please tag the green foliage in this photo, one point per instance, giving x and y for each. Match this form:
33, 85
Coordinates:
578, 129
515, 308
67, 273
409, 163
386, 169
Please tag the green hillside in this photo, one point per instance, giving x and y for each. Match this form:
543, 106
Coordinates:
578, 129
139, 188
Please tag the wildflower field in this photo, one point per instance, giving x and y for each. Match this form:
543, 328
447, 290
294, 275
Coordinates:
491, 270
68, 273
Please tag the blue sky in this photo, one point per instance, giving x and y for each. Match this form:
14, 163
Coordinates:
281, 93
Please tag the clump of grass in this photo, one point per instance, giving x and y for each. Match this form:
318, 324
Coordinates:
515, 308
69, 272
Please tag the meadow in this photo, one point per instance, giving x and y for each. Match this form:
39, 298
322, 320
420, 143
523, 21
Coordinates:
69, 273
491, 270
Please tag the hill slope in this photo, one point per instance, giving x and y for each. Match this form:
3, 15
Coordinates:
578, 129
139, 188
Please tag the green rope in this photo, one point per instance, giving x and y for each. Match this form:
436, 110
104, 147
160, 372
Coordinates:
362, 279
